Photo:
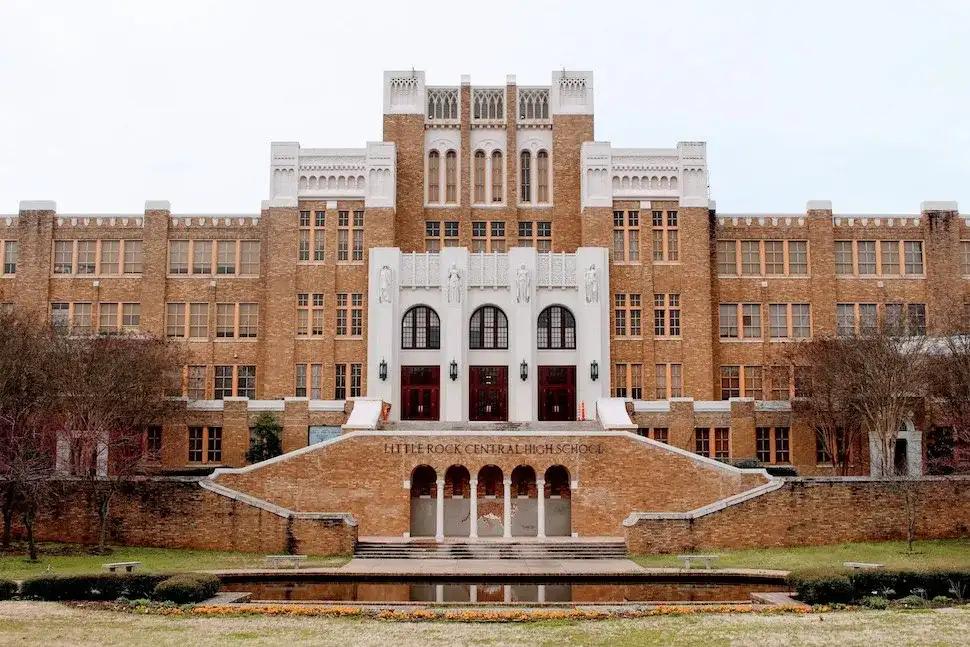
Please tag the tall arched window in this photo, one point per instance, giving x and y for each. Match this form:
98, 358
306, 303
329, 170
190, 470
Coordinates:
488, 329
525, 177
542, 177
434, 168
451, 176
557, 329
498, 178
420, 329
479, 176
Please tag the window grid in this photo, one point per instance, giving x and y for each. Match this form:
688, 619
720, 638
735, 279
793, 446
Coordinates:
867, 258
668, 381
312, 236
536, 234
627, 315
626, 236
204, 257
10, 252
666, 315
628, 381
556, 329
89, 257
738, 381
488, 236
739, 321
309, 314
764, 258
205, 444
772, 445
789, 321
666, 236
234, 379
350, 314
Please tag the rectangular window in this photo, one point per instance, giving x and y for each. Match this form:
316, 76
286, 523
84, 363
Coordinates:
342, 302
751, 378
355, 380
722, 443
10, 251
225, 320
195, 387
536, 234
225, 257
845, 319
309, 314
133, 257
889, 251
626, 236
222, 383
727, 257
300, 389
343, 236
86, 255
61, 316
730, 382
666, 315
797, 257
178, 257
778, 320
669, 381
666, 242
780, 383
356, 314
246, 382
866, 252
762, 443
249, 257
774, 258
916, 318
63, 256
801, 320
358, 232
782, 454
196, 435
339, 381
965, 257
202, 257
153, 443
751, 257
619, 381
81, 323
248, 320
913, 259
702, 441
110, 256
199, 320
308, 381
108, 318
214, 445
728, 321
130, 316
843, 257
751, 320
868, 319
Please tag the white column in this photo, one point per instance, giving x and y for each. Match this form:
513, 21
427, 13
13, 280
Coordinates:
473, 510
541, 594
507, 593
541, 506
439, 593
473, 593
439, 533
507, 505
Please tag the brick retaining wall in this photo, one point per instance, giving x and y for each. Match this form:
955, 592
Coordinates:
813, 512
179, 513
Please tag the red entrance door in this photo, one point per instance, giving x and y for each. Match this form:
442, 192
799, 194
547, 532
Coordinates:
420, 389
488, 393
557, 393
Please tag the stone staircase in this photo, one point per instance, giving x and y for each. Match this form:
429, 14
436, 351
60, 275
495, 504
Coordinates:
511, 549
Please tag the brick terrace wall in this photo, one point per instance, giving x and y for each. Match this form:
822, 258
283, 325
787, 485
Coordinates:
359, 475
807, 512
179, 513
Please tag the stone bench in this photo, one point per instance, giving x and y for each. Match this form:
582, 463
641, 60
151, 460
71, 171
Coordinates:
707, 559
290, 561
127, 567
862, 565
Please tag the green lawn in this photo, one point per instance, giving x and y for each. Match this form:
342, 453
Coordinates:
68, 558
937, 553
47, 623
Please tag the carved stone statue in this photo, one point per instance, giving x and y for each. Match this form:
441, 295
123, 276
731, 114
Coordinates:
523, 285
454, 284
384, 277
592, 285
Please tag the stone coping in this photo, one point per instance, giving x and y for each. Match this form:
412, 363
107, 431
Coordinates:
774, 484
342, 517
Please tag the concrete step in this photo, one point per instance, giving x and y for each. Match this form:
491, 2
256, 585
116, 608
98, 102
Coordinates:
490, 550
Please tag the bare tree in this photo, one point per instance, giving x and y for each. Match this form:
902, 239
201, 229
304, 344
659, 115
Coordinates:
114, 388
949, 403
25, 383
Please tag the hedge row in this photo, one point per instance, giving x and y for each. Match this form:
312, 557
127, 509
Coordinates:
183, 588
8, 589
828, 586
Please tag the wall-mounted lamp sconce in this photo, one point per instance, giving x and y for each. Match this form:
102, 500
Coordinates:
524, 371
594, 371
382, 370
453, 370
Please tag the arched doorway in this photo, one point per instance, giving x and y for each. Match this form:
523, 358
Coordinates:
491, 505
457, 501
525, 518
424, 490
558, 502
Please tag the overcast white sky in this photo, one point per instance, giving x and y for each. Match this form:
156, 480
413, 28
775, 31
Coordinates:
106, 104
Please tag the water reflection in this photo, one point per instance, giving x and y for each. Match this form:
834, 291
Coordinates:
497, 592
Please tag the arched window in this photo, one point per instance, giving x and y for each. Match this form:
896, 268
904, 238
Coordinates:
525, 179
542, 177
451, 176
420, 329
434, 164
497, 176
557, 329
479, 176
488, 329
